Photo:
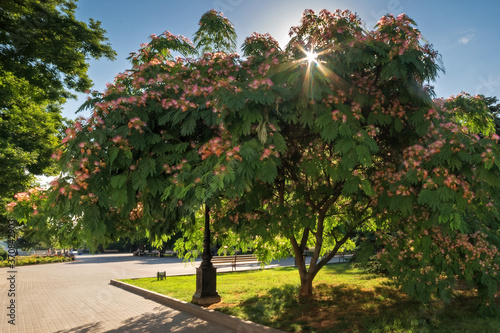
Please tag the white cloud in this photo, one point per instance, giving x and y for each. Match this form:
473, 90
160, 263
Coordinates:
466, 39
467, 36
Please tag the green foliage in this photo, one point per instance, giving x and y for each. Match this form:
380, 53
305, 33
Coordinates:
258, 45
3, 254
472, 112
494, 107
44, 44
29, 131
42, 59
216, 34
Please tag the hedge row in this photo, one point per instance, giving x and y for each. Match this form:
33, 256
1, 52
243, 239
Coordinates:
35, 259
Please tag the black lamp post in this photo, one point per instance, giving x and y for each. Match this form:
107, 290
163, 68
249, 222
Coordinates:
206, 275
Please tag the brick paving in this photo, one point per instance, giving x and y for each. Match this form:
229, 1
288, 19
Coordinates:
77, 297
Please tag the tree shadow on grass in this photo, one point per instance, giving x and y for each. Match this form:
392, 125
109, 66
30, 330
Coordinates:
269, 309
341, 308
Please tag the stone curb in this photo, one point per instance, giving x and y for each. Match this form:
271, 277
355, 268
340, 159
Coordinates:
239, 325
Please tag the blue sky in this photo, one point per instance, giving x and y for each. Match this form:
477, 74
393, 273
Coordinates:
465, 33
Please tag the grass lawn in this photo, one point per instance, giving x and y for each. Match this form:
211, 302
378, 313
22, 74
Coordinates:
345, 300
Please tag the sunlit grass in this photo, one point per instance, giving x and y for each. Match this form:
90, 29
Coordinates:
345, 300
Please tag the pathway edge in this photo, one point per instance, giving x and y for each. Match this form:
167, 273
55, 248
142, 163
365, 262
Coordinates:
235, 323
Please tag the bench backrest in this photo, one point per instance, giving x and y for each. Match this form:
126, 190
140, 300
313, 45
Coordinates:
234, 258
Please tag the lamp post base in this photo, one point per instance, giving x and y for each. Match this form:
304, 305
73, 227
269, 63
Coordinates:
205, 301
206, 284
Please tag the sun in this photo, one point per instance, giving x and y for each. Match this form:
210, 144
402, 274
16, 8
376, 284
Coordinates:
315, 66
311, 56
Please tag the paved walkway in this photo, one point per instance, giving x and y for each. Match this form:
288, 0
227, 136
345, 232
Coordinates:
77, 297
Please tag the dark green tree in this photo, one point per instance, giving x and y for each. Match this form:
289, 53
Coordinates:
43, 58
494, 106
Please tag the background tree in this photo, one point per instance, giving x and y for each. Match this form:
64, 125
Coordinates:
42, 59
494, 106
216, 34
476, 113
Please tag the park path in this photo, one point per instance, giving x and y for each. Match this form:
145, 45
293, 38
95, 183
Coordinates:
77, 297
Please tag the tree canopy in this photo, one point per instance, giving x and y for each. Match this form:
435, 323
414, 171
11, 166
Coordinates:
43, 58
293, 148
43, 43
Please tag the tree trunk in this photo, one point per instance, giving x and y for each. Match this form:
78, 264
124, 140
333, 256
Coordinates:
306, 287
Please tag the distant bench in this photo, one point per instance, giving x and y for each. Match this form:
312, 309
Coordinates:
155, 253
340, 256
234, 260
110, 251
344, 256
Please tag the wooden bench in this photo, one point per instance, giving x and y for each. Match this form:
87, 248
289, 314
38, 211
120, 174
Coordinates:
234, 260
344, 256
341, 256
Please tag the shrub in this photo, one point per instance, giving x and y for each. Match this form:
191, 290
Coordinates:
372, 265
3, 254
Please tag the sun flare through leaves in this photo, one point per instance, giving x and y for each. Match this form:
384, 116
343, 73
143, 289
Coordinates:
311, 56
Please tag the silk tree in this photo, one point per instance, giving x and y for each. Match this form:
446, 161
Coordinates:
292, 148
339, 133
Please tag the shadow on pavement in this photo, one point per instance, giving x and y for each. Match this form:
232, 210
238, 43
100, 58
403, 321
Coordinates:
88, 328
154, 322
145, 260
160, 322
127, 257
